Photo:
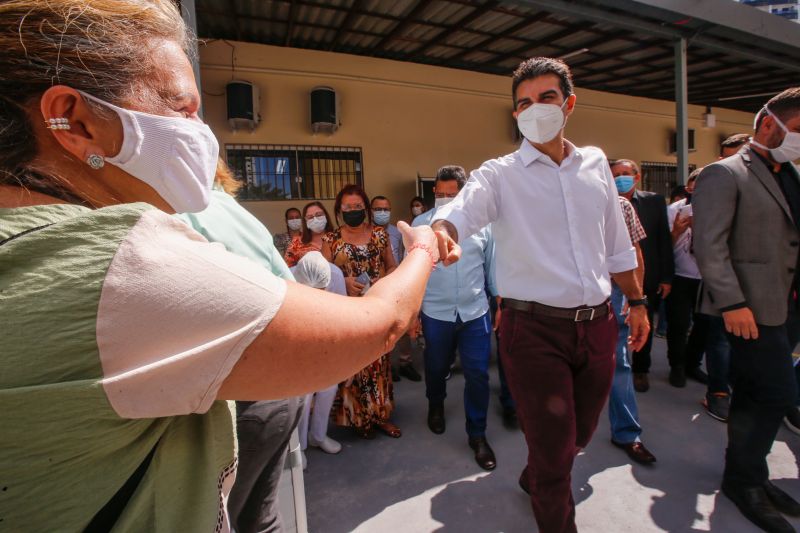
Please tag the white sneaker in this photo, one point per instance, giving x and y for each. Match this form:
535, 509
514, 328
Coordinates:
328, 445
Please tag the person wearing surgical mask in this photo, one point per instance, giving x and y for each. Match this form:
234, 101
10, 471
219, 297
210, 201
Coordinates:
362, 251
559, 236
316, 224
294, 229
151, 329
417, 206
746, 230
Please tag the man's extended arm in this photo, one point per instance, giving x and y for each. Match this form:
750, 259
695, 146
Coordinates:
714, 200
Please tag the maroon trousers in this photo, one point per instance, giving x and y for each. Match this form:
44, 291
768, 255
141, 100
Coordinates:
559, 372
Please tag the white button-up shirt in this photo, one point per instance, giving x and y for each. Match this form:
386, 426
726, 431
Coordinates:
558, 229
685, 263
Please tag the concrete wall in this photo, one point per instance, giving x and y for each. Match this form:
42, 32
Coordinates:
411, 119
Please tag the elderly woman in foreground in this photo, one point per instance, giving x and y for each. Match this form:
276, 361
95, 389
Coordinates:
125, 330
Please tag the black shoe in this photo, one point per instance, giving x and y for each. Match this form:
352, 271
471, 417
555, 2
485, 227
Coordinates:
510, 418
436, 418
718, 405
677, 376
395, 375
484, 455
756, 506
637, 452
408, 371
698, 375
641, 383
782, 501
523, 481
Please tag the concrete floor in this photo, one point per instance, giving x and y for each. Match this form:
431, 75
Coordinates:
424, 482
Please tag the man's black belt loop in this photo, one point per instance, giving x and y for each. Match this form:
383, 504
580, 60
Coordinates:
577, 314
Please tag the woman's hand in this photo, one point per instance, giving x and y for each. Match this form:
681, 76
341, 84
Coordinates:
420, 235
354, 288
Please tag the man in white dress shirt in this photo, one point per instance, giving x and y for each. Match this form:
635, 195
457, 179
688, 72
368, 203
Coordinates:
559, 234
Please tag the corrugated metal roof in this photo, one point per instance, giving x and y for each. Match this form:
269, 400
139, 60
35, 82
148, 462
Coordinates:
495, 35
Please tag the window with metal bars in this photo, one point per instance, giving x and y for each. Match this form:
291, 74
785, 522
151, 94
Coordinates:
291, 172
660, 177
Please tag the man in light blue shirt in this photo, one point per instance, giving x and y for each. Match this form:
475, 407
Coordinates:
455, 314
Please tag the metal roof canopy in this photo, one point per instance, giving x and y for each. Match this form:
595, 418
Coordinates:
736, 56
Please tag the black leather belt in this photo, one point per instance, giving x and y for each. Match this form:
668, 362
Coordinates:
578, 314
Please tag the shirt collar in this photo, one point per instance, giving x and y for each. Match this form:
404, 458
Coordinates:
529, 153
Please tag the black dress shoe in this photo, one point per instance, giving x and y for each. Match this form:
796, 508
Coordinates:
408, 371
677, 376
782, 501
523, 481
484, 455
436, 418
637, 452
641, 383
698, 375
510, 418
754, 504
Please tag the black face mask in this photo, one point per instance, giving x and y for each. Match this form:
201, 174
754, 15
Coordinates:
354, 218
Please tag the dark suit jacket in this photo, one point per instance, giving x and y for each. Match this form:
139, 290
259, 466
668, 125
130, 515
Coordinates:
745, 240
659, 263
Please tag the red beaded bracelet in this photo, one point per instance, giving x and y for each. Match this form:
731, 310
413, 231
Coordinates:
426, 249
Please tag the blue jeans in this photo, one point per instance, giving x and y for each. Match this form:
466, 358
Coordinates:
623, 414
473, 340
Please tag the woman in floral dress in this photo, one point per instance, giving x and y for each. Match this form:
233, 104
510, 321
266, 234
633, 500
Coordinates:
365, 401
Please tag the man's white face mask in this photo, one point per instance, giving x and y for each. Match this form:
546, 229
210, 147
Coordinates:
789, 149
540, 123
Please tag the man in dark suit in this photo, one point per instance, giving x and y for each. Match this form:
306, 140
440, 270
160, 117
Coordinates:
746, 240
656, 249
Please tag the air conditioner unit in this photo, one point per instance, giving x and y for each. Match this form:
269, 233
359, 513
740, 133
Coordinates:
324, 106
243, 103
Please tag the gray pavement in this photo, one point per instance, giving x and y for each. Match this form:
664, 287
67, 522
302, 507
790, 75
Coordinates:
424, 482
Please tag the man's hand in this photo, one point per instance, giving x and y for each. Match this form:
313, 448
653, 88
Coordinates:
639, 327
681, 224
664, 289
741, 322
449, 250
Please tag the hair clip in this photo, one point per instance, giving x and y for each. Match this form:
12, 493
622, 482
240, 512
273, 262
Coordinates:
58, 123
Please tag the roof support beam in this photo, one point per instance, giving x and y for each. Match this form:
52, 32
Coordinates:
344, 27
290, 28
681, 112
631, 22
508, 33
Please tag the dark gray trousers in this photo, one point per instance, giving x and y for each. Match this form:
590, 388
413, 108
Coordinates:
263, 430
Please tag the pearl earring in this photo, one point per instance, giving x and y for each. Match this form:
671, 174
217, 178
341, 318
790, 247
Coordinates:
95, 161
58, 123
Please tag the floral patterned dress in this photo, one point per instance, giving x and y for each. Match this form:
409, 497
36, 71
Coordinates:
297, 249
368, 397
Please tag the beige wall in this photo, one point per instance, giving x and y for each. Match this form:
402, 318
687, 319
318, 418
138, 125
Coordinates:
411, 119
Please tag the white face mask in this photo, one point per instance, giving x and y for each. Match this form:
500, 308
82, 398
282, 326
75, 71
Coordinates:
295, 224
175, 156
789, 149
317, 224
540, 123
416, 211
439, 202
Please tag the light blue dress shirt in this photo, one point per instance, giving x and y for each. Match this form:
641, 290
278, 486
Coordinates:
459, 290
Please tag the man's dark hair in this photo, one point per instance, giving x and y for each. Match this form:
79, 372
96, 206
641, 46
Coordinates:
379, 197
452, 173
737, 140
539, 66
783, 105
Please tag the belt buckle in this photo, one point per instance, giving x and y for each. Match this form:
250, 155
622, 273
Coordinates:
581, 314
